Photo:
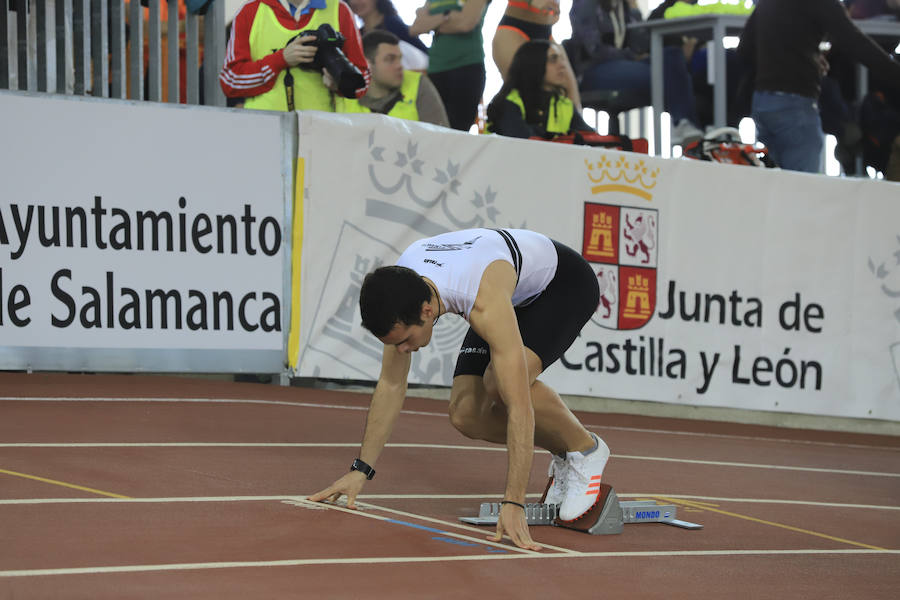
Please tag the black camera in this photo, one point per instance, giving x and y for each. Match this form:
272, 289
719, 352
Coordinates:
329, 56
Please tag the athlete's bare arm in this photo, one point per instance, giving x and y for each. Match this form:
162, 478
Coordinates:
387, 400
494, 319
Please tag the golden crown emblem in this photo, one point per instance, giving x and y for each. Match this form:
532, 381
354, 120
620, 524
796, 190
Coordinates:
622, 174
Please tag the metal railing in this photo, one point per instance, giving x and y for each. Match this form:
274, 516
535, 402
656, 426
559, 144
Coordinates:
113, 49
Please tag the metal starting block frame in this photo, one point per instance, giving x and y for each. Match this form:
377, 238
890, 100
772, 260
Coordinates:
611, 520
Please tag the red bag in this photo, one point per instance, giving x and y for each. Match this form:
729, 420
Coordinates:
589, 138
725, 146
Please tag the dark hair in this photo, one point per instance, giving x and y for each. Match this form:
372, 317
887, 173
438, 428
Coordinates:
385, 7
526, 75
372, 39
392, 295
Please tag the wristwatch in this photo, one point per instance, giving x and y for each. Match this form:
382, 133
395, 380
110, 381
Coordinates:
365, 469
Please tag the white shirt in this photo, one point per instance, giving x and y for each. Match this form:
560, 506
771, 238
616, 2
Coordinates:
456, 261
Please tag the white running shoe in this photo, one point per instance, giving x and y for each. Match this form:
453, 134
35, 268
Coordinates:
583, 480
556, 487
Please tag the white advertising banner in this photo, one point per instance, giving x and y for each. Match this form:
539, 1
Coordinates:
721, 285
137, 227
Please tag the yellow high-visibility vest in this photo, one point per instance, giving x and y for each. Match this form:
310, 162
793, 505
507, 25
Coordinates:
267, 36
559, 113
405, 108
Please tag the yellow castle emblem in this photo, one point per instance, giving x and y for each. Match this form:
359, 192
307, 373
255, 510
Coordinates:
637, 300
601, 242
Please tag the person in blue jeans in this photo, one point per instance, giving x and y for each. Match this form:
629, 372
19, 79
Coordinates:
791, 128
781, 44
607, 56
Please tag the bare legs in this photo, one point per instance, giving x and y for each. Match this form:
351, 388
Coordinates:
478, 412
503, 48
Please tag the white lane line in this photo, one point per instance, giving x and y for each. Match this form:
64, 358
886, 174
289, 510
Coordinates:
480, 497
480, 531
720, 463
425, 559
716, 463
360, 513
841, 505
241, 445
432, 414
213, 401
750, 438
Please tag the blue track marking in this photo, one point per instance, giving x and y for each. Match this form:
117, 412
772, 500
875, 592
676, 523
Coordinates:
443, 537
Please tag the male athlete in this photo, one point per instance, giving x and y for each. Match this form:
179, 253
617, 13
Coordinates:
526, 298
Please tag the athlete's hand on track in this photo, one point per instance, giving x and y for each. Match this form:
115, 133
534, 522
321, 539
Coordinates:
512, 522
349, 485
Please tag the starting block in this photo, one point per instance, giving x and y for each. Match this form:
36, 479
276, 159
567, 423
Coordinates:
608, 516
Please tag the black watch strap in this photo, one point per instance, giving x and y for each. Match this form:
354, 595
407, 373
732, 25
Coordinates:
362, 467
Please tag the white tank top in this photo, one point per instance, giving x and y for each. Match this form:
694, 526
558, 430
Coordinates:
455, 262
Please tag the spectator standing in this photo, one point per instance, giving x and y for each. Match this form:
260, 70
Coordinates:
456, 58
269, 38
394, 91
842, 116
533, 99
382, 14
781, 41
607, 56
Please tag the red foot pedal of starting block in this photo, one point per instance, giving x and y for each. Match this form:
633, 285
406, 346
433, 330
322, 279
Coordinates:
604, 517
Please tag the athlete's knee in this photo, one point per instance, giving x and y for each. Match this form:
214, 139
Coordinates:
464, 413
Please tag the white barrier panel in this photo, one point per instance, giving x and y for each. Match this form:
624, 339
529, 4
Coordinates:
722, 285
141, 237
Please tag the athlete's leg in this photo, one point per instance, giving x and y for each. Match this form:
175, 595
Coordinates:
478, 411
556, 429
473, 414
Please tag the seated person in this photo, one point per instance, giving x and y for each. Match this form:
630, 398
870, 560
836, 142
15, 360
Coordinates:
393, 90
533, 100
607, 56
381, 14
525, 20
696, 54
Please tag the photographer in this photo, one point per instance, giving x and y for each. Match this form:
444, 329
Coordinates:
279, 50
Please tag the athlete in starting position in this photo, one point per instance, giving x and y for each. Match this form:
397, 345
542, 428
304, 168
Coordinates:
526, 298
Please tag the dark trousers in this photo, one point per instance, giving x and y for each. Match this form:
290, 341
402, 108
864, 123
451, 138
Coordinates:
633, 76
460, 89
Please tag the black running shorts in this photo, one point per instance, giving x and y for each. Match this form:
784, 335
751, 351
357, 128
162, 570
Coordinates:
550, 323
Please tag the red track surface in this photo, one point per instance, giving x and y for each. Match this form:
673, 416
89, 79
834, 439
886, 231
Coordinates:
203, 499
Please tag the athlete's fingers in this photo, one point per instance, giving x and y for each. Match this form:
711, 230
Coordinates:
319, 496
498, 535
524, 541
